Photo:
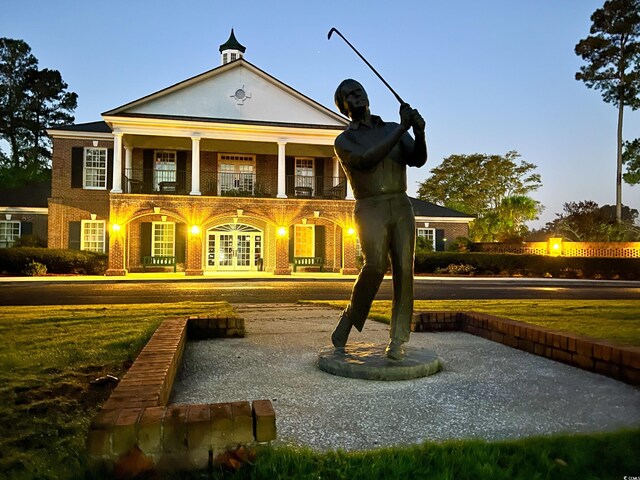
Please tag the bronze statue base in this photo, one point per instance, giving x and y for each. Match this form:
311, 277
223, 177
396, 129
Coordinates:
368, 361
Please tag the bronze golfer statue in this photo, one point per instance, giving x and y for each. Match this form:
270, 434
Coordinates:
374, 155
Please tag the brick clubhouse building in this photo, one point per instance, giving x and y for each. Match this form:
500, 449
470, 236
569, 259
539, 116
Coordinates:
230, 170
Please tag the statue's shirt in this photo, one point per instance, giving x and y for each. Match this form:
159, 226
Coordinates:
385, 177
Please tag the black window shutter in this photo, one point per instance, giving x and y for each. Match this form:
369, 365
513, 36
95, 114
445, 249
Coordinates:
319, 174
181, 242
110, 169
181, 167
439, 240
147, 171
77, 167
145, 239
292, 233
74, 235
26, 228
319, 241
289, 171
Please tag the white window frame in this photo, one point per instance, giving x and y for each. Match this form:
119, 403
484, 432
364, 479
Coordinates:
97, 171
162, 168
296, 229
93, 245
159, 246
423, 232
7, 241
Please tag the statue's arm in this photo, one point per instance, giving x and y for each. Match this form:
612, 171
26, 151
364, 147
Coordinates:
357, 157
416, 150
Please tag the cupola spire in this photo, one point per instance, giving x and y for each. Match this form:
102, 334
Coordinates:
231, 50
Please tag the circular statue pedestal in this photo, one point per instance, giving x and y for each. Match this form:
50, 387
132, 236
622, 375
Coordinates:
368, 361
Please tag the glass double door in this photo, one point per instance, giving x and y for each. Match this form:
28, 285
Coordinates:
234, 250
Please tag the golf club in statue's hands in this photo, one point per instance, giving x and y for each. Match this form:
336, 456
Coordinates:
368, 64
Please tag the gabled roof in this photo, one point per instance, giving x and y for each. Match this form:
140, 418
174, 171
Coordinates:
237, 92
97, 127
33, 195
428, 209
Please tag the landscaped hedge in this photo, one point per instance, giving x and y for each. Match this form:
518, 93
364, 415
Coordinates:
21, 260
509, 264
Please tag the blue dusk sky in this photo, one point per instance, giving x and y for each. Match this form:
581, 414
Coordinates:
488, 76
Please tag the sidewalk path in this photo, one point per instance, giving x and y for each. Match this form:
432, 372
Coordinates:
486, 390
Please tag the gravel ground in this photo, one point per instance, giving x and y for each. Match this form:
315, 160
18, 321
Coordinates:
485, 390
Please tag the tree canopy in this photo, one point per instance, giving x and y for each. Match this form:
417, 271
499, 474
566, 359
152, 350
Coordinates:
585, 221
631, 158
31, 100
495, 188
612, 56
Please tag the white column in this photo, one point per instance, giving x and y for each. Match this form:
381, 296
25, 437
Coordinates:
195, 166
117, 163
281, 171
128, 162
349, 191
336, 171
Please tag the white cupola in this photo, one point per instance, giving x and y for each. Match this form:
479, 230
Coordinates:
231, 50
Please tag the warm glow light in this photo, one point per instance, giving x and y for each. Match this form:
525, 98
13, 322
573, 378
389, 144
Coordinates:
195, 229
282, 231
115, 227
556, 246
351, 231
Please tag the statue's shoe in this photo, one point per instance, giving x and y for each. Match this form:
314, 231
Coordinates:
341, 333
394, 350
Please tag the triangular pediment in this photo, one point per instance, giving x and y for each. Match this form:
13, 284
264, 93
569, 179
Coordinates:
237, 92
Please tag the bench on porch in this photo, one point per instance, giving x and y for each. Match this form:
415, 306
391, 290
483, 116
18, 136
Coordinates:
158, 261
307, 262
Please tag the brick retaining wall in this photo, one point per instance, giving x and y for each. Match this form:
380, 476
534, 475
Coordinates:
617, 361
137, 418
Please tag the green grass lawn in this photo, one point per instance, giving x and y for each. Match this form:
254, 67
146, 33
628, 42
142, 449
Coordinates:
613, 320
48, 355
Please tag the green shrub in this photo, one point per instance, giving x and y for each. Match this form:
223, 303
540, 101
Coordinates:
457, 269
531, 265
14, 261
35, 269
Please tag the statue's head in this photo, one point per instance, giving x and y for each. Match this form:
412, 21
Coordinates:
351, 96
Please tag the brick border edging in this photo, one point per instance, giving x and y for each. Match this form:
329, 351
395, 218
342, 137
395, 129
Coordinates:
620, 362
137, 414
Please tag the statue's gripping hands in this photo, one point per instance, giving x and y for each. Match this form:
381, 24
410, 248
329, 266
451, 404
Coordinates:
374, 155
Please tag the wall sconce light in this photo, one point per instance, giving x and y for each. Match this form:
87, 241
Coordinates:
555, 246
282, 231
7, 216
239, 212
93, 216
195, 230
351, 231
115, 227
164, 218
156, 210
316, 214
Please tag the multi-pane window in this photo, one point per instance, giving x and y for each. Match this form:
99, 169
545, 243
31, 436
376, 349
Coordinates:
9, 233
163, 239
304, 172
427, 236
304, 241
95, 168
92, 236
164, 167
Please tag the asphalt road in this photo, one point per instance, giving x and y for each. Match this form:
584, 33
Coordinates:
287, 290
